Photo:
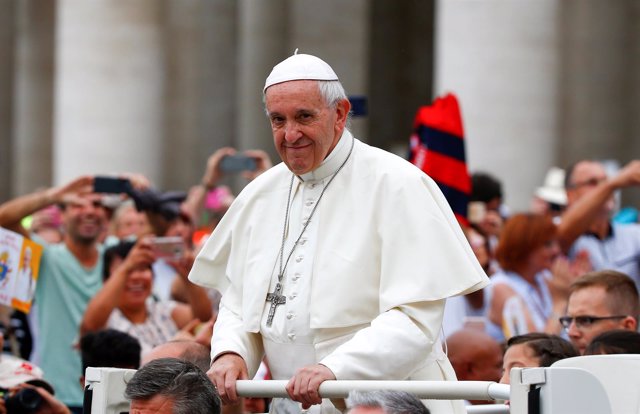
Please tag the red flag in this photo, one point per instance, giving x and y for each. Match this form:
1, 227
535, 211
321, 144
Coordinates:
437, 148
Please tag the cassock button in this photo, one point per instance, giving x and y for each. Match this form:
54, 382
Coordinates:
309, 203
311, 185
290, 315
293, 296
302, 242
299, 259
296, 277
291, 336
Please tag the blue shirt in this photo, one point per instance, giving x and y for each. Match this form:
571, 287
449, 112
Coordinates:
619, 250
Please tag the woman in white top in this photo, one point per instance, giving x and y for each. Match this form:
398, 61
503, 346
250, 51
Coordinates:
125, 302
526, 295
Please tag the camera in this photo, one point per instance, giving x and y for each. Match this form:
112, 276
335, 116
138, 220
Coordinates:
25, 401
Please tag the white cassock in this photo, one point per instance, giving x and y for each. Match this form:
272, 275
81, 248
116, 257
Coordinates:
365, 287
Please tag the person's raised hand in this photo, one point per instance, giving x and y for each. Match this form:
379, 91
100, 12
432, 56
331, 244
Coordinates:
304, 387
204, 332
137, 180
50, 405
73, 191
263, 163
628, 176
224, 372
183, 264
141, 255
212, 173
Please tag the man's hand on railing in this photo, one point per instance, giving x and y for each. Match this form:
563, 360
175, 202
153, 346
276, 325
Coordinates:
304, 387
224, 372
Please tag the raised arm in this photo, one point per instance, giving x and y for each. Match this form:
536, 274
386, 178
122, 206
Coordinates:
197, 298
578, 217
13, 211
210, 179
106, 300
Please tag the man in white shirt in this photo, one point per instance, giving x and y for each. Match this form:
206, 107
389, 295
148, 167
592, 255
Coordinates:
336, 263
586, 225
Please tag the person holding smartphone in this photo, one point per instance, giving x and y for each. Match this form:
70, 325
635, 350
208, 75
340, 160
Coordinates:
124, 303
70, 274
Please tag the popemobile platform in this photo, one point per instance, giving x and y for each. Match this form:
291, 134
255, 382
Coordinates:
597, 384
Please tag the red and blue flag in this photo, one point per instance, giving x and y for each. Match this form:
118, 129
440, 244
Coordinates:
437, 148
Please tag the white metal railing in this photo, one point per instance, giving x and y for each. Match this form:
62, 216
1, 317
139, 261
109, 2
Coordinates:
441, 390
488, 409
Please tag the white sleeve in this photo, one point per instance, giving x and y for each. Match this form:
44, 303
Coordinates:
397, 343
229, 335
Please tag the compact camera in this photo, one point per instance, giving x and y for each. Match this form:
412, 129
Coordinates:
25, 401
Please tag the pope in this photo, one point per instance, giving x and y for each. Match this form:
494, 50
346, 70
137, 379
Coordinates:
335, 263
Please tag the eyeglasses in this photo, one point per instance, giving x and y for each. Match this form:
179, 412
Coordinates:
585, 321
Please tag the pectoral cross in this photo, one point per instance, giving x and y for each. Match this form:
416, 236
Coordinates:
276, 298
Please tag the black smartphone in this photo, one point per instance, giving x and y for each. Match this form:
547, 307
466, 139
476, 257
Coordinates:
237, 163
111, 185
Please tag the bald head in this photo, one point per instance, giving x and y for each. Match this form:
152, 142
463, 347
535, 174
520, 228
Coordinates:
190, 351
475, 356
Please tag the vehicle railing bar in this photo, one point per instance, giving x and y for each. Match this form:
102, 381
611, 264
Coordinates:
434, 390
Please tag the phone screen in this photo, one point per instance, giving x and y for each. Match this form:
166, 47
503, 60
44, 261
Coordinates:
237, 163
111, 185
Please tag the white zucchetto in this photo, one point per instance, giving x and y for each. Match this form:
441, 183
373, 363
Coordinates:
300, 67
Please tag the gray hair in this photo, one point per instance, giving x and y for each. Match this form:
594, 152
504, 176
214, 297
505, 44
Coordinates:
190, 389
332, 92
196, 353
391, 402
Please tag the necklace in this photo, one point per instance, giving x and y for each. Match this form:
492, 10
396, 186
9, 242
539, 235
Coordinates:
276, 297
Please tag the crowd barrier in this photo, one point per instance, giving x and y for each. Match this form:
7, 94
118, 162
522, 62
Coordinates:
603, 384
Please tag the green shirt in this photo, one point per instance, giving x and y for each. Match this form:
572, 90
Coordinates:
63, 291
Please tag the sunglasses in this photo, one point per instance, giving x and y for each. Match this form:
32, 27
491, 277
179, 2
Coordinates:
585, 321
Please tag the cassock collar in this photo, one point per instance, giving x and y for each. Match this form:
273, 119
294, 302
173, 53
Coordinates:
332, 162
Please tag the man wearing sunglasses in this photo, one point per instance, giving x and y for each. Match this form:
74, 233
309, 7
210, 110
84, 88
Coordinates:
586, 223
599, 302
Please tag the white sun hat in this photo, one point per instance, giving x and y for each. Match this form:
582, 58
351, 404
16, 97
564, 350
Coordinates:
552, 191
300, 67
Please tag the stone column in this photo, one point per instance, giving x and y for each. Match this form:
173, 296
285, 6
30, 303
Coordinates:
262, 43
33, 98
7, 29
200, 86
400, 69
632, 198
598, 67
501, 59
109, 88
338, 32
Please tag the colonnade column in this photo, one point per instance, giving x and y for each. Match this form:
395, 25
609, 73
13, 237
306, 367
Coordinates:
200, 86
108, 88
33, 95
7, 17
597, 54
501, 58
263, 28
338, 32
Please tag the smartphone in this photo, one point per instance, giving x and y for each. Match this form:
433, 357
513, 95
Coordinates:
168, 247
111, 185
476, 212
237, 163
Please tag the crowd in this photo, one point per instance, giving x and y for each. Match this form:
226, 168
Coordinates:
529, 288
